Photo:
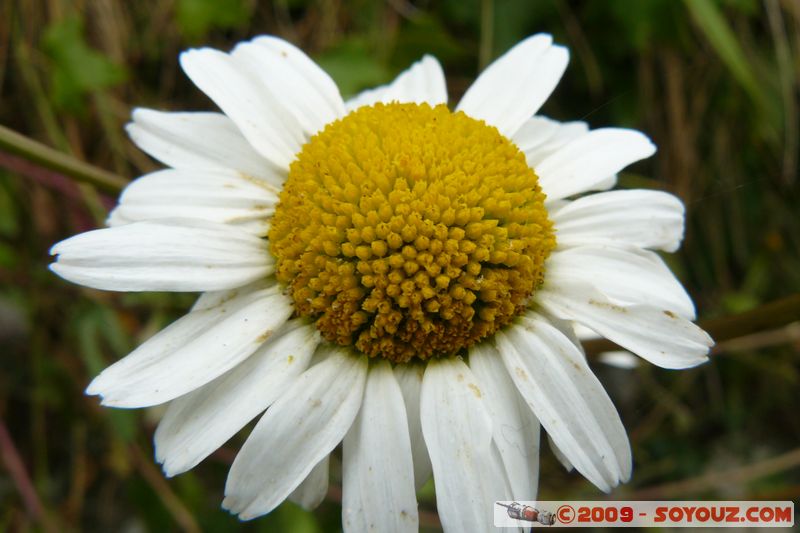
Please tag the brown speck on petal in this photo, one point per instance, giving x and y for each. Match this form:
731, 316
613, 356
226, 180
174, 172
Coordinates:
264, 336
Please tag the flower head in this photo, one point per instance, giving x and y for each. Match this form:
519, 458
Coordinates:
387, 274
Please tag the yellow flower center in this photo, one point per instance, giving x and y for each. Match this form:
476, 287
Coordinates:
410, 231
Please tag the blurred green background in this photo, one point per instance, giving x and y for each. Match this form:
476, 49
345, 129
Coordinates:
713, 82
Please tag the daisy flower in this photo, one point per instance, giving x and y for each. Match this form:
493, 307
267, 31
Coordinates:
387, 274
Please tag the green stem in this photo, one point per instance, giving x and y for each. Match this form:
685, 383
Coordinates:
738, 477
768, 316
36, 152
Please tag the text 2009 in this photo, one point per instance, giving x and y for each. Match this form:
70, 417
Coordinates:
604, 514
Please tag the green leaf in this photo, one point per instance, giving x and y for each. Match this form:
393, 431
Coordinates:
647, 25
424, 34
94, 326
708, 17
515, 20
197, 17
8, 256
76, 68
294, 519
353, 66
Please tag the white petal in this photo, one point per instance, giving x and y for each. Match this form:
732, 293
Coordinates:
571, 404
559, 455
660, 336
622, 359
312, 491
261, 117
223, 196
193, 350
534, 132
458, 431
628, 275
164, 255
305, 89
649, 219
409, 376
199, 141
322, 83
211, 299
514, 87
582, 333
295, 434
115, 218
587, 162
378, 477
564, 133
516, 429
201, 421
570, 329
499, 478
422, 82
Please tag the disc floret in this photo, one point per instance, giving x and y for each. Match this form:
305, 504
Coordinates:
410, 231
